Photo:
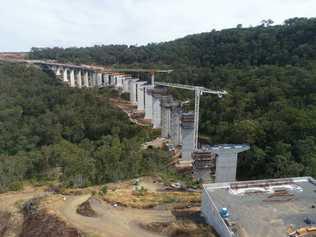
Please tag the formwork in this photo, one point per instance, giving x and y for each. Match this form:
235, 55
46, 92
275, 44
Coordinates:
204, 165
187, 128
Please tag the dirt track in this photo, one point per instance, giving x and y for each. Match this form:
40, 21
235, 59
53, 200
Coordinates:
111, 221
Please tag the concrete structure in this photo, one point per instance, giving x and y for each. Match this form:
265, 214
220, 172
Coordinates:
99, 80
65, 75
166, 104
226, 162
72, 78
140, 94
126, 82
262, 208
106, 79
175, 124
86, 79
79, 79
187, 131
204, 165
119, 82
157, 94
148, 102
133, 91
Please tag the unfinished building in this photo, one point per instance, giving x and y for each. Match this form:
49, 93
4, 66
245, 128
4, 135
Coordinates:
269, 208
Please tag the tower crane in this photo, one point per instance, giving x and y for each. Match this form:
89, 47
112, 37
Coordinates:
198, 90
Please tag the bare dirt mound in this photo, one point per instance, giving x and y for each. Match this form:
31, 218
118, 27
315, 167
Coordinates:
181, 229
85, 209
4, 223
44, 224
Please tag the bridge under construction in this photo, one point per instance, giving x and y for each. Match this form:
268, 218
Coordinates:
216, 164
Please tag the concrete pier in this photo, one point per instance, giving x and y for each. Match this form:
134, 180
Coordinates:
126, 82
187, 125
99, 80
140, 95
156, 106
93, 79
65, 75
148, 102
106, 81
226, 162
79, 79
175, 126
72, 78
58, 71
166, 104
133, 91
86, 79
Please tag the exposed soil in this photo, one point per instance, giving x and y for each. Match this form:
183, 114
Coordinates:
4, 222
155, 194
45, 224
85, 209
181, 229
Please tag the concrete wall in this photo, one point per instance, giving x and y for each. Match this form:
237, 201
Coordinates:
212, 216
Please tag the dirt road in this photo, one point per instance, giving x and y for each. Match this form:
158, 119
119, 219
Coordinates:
111, 221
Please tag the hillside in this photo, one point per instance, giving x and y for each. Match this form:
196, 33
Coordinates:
270, 73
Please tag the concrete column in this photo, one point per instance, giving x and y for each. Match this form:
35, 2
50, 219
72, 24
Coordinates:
175, 130
133, 91
187, 126
79, 79
166, 102
93, 79
152, 78
65, 77
126, 81
86, 79
140, 96
119, 84
148, 102
58, 71
99, 80
106, 79
72, 78
226, 161
156, 121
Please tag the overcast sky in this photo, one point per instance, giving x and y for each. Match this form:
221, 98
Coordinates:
64, 23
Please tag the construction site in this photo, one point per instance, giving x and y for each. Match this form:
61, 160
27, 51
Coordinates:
270, 208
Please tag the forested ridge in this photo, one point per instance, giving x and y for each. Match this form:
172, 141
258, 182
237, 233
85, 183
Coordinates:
269, 72
52, 132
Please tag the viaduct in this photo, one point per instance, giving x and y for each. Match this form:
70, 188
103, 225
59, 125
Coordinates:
217, 163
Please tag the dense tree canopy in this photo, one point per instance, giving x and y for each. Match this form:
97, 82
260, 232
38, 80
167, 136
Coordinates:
269, 72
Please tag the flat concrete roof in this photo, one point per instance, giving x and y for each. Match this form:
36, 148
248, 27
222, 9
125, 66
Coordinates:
266, 208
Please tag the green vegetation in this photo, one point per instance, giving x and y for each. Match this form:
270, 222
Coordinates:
270, 73
52, 132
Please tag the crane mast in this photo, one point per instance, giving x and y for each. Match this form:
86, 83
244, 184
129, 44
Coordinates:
198, 90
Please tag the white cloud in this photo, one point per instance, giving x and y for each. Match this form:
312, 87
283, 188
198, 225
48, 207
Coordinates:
27, 23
